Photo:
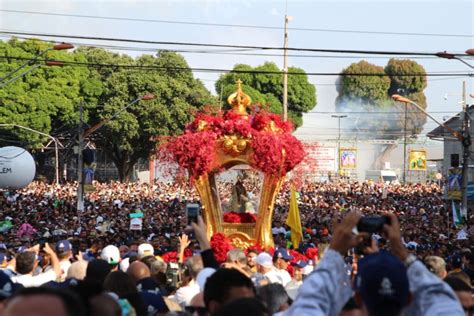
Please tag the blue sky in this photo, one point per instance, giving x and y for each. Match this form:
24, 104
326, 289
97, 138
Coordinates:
434, 17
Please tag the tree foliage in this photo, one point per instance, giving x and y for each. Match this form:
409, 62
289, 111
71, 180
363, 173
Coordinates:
131, 133
368, 88
370, 97
45, 99
267, 89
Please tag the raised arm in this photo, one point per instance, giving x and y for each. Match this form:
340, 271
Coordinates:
328, 287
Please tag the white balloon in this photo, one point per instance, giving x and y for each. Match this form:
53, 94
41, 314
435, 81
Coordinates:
17, 167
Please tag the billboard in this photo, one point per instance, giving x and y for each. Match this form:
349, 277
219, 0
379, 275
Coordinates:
348, 158
417, 160
319, 158
454, 183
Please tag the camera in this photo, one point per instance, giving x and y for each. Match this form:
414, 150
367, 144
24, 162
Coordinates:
372, 224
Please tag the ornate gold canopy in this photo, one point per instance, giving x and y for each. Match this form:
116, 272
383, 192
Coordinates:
216, 143
234, 150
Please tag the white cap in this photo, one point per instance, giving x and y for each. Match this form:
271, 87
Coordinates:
265, 260
111, 254
145, 250
203, 275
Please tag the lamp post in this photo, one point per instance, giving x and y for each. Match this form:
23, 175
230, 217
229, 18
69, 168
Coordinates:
62, 46
447, 55
83, 134
285, 69
339, 117
44, 134
53, 63
464, 137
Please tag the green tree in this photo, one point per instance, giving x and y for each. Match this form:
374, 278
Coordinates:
370, 96
130, 135
267, 89
45, 99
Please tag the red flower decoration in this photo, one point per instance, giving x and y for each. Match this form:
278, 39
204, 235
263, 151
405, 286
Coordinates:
274, 151
311, 253
233, 217
171, 256
220, 244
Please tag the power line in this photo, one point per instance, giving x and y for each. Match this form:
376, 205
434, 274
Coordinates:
236, 25
340, 51
221, 70
237, 52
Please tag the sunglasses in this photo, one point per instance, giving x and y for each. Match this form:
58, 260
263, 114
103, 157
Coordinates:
201, 311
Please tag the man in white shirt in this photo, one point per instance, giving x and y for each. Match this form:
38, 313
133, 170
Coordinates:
64, 253
265, 267
281, 259
26, 263
185, 293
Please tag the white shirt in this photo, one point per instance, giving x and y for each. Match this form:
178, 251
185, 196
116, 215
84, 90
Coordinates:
185, 294
28, 280
280, 230
273, 276
284, 276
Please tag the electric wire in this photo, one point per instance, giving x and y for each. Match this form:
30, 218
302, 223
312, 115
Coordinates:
235, 25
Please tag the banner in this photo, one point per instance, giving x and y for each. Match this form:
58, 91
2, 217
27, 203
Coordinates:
417, 160
348, 158
136, 220
454, 183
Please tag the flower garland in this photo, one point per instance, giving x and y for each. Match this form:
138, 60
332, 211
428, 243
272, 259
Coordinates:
275, 150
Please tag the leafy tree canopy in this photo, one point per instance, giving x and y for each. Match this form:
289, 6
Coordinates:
46, 98
267, 89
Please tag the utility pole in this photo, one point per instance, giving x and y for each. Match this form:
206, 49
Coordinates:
466, 144
405, 145
339, 117
80, 161
285, 70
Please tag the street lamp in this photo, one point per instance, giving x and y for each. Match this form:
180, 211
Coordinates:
464, 137
447, 55
52, 63
62, 46
339, 117
44, 134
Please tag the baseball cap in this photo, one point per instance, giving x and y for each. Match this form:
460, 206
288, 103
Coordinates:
300, 264
3, 258
283, 254
265, 260
63, 246
145, 250
111, 254
382, 281
456, 261
154, 302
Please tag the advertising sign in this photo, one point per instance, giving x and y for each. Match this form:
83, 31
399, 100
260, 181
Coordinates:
417, 160
348, 158
454, 183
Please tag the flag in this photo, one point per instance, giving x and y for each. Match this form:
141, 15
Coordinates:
293, 220
456, 214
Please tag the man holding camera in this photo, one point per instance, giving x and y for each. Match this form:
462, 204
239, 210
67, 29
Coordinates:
387, 283
26, 263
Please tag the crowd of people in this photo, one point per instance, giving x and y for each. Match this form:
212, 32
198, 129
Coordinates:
92, 263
